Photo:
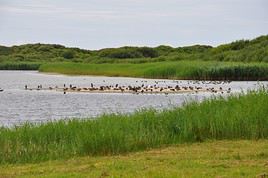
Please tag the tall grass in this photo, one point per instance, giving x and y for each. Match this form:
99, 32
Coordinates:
19, 66
238, 72
237, 117
208, 70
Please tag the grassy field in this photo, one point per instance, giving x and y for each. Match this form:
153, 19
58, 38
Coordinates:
238, 158
239, 117
209, 70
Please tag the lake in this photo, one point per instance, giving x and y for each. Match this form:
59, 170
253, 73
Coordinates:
18, 105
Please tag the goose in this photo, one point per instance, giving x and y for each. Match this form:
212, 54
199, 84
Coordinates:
1, 90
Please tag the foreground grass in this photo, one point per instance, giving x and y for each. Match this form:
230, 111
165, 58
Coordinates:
208, 70
239, 117
209, 159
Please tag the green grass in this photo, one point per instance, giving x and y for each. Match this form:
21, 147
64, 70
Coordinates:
239, 117
209, 70
208, 159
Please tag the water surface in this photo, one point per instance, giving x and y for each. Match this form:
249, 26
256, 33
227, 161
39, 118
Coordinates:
18, 105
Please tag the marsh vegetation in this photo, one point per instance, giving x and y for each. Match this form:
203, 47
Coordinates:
197, 70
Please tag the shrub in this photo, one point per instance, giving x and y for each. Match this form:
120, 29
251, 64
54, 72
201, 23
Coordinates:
148, 52
68, 54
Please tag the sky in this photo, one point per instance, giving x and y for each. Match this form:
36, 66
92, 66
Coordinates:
95, 24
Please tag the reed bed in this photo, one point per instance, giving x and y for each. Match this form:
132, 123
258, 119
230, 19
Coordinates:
19, 66
239, 72
199, 70
241, 116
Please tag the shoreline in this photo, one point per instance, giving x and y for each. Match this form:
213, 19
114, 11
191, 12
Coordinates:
241, 116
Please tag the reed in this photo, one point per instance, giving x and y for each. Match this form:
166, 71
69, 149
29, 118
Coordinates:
242, 116
199, 70
19, 66
237, 72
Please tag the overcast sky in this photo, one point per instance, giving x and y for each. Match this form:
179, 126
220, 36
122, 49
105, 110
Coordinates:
94, 24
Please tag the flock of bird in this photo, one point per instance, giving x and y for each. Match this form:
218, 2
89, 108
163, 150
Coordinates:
144, 88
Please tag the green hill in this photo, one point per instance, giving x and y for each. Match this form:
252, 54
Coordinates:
255, 50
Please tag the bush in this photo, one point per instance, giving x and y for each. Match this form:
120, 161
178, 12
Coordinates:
148, 52
5, 50
68, 54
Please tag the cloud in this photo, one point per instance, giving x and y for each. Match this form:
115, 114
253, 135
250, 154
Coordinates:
114, 9
113, 22
57, 11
